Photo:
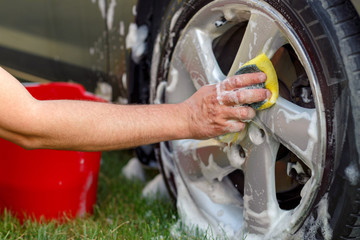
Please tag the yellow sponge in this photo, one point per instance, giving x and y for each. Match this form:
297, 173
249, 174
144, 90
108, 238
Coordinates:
261, 63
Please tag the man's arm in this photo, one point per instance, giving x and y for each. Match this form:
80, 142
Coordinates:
93, 126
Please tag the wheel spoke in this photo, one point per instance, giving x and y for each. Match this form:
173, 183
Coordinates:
179, 87
261, 209
262, 35
295, 127
199, 60
202, 159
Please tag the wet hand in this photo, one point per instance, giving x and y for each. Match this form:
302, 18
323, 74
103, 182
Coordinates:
218, 109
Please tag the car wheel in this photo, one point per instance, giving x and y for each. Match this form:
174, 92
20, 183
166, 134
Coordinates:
295, 171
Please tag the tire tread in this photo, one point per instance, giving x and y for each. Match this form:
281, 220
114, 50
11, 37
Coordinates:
346, 23
352, 226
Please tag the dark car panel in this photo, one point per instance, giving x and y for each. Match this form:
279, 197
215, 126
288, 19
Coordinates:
62, 40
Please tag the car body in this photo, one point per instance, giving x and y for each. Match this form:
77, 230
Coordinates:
79, 41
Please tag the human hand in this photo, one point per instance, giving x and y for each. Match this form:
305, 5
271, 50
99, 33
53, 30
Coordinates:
217, 109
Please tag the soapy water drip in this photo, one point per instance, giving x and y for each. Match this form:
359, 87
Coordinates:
135, 40
213, 170
219, 92
236, 156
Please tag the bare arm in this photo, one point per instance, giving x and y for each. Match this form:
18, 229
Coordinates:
92, 126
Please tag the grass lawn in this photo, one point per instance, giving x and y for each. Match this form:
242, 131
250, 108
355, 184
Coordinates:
120, 212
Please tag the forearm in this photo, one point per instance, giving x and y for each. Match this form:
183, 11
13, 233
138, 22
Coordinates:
83, 125
91, 126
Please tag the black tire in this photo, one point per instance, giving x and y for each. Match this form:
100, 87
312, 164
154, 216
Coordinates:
330, 32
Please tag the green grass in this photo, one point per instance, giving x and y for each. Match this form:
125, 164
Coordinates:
120, 212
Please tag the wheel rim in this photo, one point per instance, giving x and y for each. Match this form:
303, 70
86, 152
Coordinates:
205, 167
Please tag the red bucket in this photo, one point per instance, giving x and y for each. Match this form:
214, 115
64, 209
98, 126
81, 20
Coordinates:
49, 183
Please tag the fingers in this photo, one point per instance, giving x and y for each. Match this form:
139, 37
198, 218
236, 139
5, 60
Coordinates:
231, 91
235, 117
234, 126
243, 96
217, 109
243, 80
239, 113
